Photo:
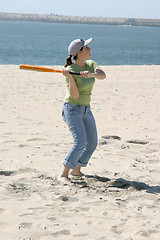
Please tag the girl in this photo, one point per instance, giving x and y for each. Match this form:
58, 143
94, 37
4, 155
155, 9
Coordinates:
76, 110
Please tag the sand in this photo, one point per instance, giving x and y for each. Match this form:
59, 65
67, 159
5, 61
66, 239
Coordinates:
119, 196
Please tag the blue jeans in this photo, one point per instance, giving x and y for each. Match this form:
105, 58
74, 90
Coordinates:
82, 126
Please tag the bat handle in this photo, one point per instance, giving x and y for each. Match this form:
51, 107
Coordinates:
74, 73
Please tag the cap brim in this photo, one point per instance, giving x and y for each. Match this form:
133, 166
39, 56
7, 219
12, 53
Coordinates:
86, 42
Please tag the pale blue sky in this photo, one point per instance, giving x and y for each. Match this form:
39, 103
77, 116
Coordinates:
95, 8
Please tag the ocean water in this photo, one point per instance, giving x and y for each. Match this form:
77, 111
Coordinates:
46, 43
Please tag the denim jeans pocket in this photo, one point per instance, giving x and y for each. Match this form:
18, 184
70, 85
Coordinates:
72, 107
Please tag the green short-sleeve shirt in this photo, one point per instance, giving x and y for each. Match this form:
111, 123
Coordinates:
84, 85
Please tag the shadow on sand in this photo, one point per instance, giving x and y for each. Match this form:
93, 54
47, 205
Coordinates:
93, 181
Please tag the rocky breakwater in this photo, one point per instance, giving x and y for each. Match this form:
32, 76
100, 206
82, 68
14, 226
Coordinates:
78, 19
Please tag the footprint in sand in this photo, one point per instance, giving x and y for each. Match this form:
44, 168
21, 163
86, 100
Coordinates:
136, 141
7, 173
81, 235
61, 233
19, 189
23, 145
2, 210
36, 139
67, 198
147, 234
117, 229
108, 137
20, 171
25, 225
111, 137
26, 170
52, 219
26, 239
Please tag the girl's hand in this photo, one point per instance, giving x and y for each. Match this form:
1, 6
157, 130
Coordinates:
66, 73
99, 74
85, 74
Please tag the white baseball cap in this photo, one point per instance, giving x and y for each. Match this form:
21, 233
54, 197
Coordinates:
76, 45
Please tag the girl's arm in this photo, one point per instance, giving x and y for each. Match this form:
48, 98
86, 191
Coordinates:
73, 90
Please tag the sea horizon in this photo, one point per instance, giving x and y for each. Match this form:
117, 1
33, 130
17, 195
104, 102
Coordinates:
52, 17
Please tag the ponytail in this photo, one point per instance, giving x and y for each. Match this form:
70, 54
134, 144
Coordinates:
68, 61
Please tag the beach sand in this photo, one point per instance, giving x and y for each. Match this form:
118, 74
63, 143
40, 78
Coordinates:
119, 196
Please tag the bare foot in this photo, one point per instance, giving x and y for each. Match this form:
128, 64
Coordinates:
64, 180
76, 173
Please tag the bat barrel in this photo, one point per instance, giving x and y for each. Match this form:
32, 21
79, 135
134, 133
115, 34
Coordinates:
38, 68
42, 69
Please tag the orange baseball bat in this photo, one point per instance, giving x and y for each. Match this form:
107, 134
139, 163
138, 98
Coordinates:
42, 69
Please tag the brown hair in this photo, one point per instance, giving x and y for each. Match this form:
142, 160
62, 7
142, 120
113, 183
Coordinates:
69, 59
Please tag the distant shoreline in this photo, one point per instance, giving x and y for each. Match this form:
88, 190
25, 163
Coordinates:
77, 19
